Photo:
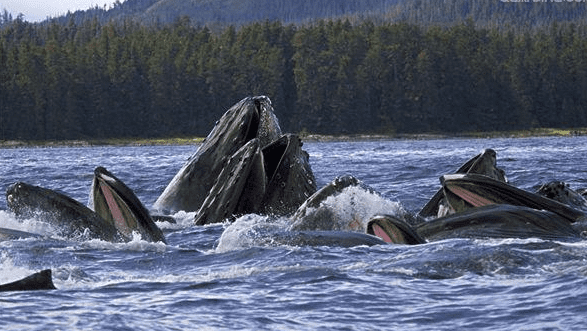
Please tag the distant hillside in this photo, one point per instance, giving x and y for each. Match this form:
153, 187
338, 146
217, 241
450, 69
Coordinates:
234, 12
245, 11
484, 13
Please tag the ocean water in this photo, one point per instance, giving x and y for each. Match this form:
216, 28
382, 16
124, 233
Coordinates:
209, 278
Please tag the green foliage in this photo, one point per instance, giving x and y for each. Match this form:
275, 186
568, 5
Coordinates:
121, 79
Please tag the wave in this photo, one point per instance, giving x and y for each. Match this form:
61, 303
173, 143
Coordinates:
8, 220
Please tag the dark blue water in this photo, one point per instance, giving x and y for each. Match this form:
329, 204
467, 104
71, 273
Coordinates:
198, 281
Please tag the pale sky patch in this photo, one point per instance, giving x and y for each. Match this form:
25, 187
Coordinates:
38, 10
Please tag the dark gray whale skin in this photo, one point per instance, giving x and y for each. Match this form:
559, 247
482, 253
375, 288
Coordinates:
68, 215
561, 192
500, 221
324, 238
250, 118
10, 234
41, 280
222, 201
289, 177
274, 180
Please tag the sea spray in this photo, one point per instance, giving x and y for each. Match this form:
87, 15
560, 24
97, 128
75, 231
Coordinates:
350, 210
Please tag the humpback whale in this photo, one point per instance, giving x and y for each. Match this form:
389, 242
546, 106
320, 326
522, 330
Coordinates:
41, 280
314, 215
250, 118
465, 191
345, 203
274, 180
118, 205
499, 221
255, 230
392, 229
561, 192
118, 212
289, 177
483, 205
482, 164
223, 200
70, 217
245, 165
490, 221
10, 234
322, 238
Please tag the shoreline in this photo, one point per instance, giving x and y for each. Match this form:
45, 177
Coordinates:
544, 132
547, 132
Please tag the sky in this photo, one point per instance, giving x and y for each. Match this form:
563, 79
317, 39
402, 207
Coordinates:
38, 10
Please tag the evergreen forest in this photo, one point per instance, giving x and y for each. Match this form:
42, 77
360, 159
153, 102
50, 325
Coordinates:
93, 79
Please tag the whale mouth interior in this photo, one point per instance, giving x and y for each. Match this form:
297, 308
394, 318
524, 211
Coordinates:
254, 124
472, 198
112, 207
378, 231
118, 205
273, 156
387, 231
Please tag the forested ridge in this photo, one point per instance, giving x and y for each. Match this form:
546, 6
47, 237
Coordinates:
219, 13
89, 79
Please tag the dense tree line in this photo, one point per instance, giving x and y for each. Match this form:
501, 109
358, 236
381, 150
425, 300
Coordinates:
124, 79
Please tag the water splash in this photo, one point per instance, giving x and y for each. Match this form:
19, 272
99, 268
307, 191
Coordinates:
34, 225
182, 220
249, 231
9, 272
137, 244
350, 210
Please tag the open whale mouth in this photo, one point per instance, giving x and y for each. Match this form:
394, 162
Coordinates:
256, 119
465, 191
274, 155
393, 230
110, 205
250, 119
118, 205
254, 123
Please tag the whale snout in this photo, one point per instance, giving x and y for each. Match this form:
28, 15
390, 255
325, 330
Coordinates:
13, 193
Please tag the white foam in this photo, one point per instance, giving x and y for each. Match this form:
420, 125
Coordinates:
353, 208
182, 220
9, 221
493, 242
204, 275
136, 244
247, 230
9, 272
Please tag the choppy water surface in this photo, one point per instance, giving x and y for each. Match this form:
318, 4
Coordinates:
192, 283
